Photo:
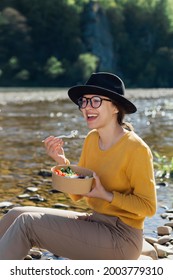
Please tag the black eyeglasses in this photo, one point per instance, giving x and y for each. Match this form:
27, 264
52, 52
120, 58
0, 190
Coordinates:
95, 102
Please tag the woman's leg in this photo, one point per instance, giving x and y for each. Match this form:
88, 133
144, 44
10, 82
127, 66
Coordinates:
9, 218
71, 238
68, 236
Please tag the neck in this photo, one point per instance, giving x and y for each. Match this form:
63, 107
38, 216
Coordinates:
109, 137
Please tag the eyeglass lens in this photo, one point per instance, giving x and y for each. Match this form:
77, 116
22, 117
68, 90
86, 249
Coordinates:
95, 102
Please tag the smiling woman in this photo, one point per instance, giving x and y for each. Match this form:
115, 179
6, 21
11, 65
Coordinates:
122, 193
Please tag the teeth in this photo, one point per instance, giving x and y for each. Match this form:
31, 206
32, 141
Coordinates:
92, 115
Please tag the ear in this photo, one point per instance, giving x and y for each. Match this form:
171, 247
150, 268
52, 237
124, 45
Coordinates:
115, 110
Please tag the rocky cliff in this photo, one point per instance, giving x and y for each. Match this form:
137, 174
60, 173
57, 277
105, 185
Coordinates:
97, 37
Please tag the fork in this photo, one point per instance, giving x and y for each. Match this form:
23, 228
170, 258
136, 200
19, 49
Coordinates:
72, 134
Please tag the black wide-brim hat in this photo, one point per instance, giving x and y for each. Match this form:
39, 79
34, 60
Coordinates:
105, 84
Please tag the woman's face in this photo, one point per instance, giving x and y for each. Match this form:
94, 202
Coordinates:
99, 117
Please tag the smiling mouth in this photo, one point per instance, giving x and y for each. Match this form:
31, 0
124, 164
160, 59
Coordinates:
91, 116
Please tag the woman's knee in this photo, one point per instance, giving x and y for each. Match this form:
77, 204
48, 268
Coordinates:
14, 213
9, 218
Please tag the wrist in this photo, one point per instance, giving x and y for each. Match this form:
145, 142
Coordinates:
109, 196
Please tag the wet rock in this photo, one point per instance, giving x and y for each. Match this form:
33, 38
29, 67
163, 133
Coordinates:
22, 196
37, 197
60, 205
164, 239
36, 182
36, 254
169, 224
162, 184
32, 189
170, 216
45, 173
151, 240
28, 258
53, 191
164, 230
164, 215
149, 250
169, 210
163, 251
6, 204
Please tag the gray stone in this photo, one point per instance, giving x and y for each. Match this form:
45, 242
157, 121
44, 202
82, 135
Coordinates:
151, 240
164, 239
22, 196
164, 230
5, 204
149, 250
32, 189
169, 224
36, 254
163, 251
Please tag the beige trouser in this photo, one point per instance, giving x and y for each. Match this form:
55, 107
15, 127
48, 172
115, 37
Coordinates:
68, 234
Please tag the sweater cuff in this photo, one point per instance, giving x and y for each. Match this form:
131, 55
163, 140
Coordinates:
117, 199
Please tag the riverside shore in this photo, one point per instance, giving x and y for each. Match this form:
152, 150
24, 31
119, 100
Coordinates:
30, 115
154, 248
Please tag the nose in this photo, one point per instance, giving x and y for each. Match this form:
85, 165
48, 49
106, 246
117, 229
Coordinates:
88, 103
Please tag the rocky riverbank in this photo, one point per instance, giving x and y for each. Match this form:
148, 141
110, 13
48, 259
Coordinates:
154, 248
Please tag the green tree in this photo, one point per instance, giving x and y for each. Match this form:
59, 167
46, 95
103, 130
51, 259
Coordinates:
85, 65
15, 49
53, 68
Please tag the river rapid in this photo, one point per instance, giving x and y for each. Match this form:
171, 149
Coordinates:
27, 116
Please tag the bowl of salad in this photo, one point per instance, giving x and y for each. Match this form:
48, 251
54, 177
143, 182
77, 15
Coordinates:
72, 179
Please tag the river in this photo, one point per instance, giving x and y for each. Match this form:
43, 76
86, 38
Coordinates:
29, 115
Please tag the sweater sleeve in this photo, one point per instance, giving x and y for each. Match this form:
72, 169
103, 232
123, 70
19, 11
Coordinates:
141, 199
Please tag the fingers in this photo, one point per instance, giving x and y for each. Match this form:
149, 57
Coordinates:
54, 146
52, 142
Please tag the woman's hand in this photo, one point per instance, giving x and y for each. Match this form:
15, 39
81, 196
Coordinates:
99, 191
54, 148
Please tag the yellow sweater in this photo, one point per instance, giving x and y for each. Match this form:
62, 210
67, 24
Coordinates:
126, 169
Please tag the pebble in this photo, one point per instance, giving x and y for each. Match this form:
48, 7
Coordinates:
170, 224
36, 254
24, 195
37, 197
45, 173
60, 205
170, 217
5, 204
169, 210
53, 191
28, 257
164, 239
164, 230
32, 189
163, 251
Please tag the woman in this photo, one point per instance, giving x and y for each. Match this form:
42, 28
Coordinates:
122, 195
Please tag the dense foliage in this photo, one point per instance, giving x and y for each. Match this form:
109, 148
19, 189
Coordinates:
41, 42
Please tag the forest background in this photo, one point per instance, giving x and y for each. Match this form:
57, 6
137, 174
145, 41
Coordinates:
57, 43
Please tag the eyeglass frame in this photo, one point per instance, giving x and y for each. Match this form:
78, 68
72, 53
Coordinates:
90, 100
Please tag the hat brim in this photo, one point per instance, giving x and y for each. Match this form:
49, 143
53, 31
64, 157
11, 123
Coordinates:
77, 91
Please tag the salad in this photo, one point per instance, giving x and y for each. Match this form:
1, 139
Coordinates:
69, 173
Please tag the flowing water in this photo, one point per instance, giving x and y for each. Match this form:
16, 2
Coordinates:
27, 116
